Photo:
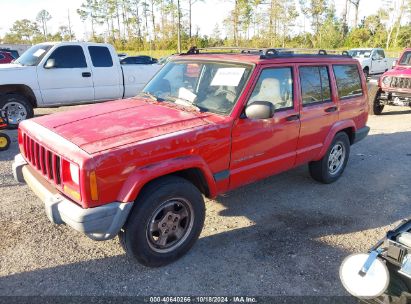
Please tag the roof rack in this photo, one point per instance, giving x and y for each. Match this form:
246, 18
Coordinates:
266, 53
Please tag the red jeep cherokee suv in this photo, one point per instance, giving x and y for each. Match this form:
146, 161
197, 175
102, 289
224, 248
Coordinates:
207, 123
394, 86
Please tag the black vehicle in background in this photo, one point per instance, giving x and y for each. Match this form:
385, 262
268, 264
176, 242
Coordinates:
138, 60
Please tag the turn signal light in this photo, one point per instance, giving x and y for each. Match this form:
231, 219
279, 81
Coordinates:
93, 186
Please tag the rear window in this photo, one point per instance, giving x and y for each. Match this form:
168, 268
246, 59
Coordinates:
348, 80
100, 56
315, 84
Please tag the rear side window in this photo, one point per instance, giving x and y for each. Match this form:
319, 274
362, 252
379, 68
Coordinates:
348, 80
68, 57
315, 84
100, 56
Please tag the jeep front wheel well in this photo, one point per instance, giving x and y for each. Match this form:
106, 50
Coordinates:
19, 89
193, 175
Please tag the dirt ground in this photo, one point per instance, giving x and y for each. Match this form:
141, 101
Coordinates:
285, 235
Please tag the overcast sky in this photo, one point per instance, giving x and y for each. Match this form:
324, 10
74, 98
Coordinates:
205, 15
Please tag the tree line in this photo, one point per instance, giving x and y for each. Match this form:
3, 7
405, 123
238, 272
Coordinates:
167, 24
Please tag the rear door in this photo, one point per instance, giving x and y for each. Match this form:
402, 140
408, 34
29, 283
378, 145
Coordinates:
319, 110
107, 75
65, 77
352, 100
263, 147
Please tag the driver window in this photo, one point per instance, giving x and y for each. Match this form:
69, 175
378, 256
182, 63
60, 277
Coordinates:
275, 85
69, 57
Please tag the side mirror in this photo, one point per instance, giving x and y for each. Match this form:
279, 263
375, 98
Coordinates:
260, 110
394, 64
50, 64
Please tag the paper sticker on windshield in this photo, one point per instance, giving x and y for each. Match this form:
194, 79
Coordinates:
38, 53
228, 77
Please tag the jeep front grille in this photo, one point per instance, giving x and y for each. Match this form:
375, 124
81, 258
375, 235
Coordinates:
43, 160
400, 83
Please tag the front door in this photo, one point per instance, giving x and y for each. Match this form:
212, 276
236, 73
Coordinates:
263, 147
66, 77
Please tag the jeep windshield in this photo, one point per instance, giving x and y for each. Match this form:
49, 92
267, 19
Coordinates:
405, 59
208, 86
33, 55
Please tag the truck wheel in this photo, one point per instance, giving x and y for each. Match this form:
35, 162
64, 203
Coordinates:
17, 107
328, 169
366, 71
4, 142
374, 107
166, 220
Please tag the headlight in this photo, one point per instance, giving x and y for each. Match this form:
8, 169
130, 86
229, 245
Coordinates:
74, 172
386, 80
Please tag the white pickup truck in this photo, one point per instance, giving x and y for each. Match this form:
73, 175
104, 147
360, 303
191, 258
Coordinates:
67, 73
372, 60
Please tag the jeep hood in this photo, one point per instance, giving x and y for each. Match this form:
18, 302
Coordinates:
112, 124
402, 71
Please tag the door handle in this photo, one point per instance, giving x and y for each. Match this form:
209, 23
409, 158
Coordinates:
86, 74
293, 117
331, 109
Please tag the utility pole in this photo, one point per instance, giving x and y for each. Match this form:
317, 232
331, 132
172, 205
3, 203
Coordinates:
178, 28
69, 24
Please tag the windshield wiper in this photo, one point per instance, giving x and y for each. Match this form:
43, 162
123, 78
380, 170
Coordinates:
151, 96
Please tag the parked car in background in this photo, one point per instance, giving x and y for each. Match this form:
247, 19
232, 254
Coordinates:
372, 60
5, 57
394, 86
66, 73
13, 53
138, 60
204, 125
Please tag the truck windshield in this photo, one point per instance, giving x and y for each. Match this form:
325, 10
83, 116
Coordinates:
405, 59
33, 55
360, 53
208, 86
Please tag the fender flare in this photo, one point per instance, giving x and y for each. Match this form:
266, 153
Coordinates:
141, 176
337, 127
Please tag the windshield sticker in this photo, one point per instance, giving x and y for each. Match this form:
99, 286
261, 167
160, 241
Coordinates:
228, 77
38, 53
183, 93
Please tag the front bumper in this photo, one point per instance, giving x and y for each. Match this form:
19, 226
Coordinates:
360, 134
99, 223
395, 98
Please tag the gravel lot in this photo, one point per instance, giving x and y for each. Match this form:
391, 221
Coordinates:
285, 235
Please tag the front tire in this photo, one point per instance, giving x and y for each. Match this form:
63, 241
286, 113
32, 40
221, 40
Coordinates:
366, 72
17, 107
166, 220
328, 169
374, 107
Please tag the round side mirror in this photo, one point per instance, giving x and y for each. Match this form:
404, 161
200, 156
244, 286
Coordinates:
260, 110
367, 285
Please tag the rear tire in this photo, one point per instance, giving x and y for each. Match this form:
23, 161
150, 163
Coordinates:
329, 168
17, 107
374, 108
4, 142
166, 220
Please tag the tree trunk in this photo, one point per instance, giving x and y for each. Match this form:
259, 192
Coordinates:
153, 20
189, 17
178, 28
398, 23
